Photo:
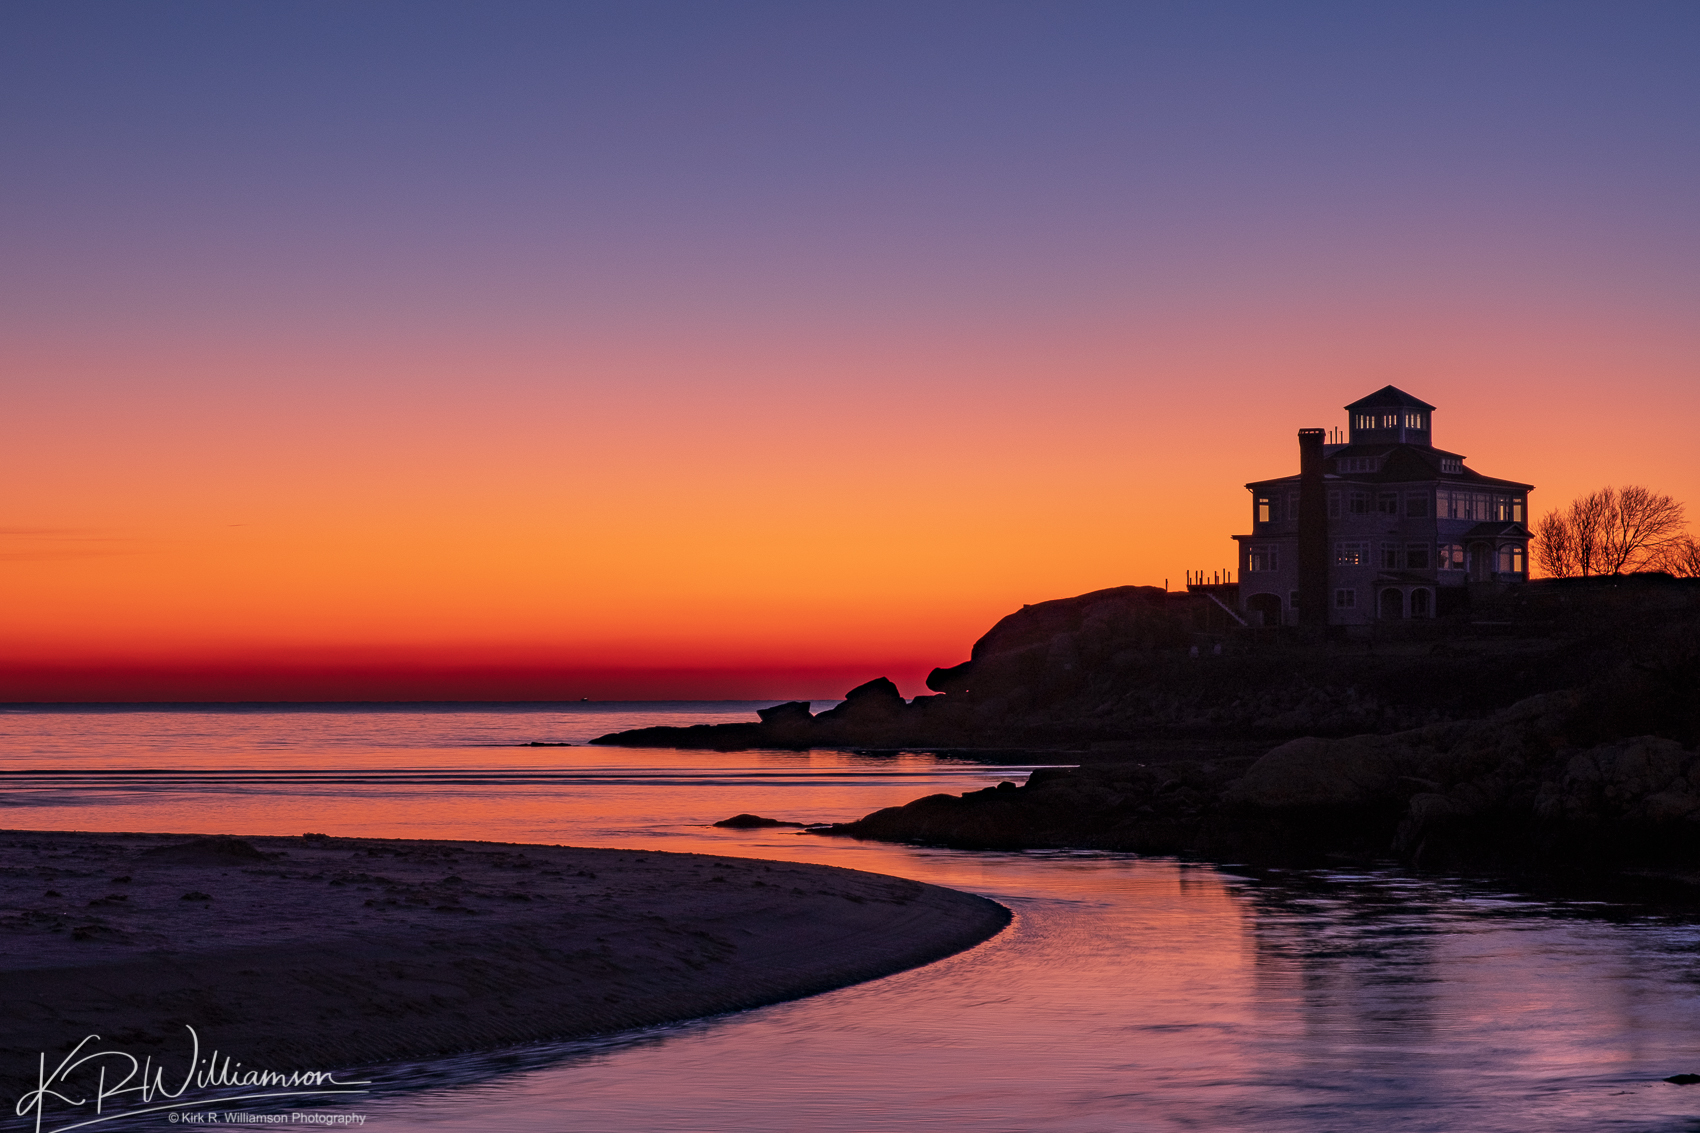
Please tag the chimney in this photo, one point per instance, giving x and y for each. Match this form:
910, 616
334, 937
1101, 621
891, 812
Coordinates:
1313, 531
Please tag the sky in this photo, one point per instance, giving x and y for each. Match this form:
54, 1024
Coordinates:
744, 350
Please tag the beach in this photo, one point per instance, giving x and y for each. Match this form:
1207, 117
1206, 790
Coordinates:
332, 953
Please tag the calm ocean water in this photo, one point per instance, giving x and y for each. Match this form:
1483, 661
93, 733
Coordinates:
1129, 994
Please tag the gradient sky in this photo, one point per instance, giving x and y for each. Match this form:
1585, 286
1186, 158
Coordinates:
625, 350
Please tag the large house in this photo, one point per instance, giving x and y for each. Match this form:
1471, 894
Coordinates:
1383, 526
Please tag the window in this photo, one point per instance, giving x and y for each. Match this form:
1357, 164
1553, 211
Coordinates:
1387, 503
1452, 465
1363, 420
1390, 556
1357, 464
1511, 559
1419, 603
1389, 420
1345, 599
1416, 420
1508, 509
1466, 505
1451, 556
1416, 556
1263, 558
1293, 600
1360, 503
1351, 554
1292, 511
1416, 505
1266, 509
1333, 505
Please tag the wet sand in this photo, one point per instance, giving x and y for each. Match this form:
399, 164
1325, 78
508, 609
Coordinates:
290, 953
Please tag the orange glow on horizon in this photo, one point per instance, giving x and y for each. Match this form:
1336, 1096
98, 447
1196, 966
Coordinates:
630, 514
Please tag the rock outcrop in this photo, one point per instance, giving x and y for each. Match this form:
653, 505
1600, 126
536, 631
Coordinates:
1512, 791
1137, 667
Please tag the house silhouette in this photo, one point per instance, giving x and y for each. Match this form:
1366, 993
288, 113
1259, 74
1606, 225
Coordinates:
1379, 525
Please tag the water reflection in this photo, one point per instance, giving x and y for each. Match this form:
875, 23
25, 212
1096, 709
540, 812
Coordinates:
1152, 995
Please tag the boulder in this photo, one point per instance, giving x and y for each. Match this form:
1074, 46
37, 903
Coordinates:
752, 822
1312, 772
792, 712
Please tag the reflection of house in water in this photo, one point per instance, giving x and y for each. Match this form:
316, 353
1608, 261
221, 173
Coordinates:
1381, 527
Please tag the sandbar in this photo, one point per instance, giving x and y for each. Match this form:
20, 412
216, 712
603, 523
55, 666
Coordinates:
329, 953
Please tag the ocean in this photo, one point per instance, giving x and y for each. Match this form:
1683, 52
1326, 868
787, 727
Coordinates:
1128, 994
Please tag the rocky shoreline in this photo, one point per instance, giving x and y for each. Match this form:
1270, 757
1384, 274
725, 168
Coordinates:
1512, 792
1554, 728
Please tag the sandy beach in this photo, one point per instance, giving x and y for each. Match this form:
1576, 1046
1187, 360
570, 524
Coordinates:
333, 953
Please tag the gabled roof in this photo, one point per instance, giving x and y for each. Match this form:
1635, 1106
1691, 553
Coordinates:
1494, 531
1388, 396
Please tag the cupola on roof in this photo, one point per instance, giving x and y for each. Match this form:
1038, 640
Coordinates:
1388, 396
1391, 416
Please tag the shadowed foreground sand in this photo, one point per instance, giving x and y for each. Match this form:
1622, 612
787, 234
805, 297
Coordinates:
289, 953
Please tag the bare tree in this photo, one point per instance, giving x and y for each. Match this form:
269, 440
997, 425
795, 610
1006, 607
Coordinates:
1680, 558
1609, 532
1638, 529
1589, 517
1555, 549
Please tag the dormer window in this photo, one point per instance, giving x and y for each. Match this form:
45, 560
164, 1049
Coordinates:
1357, 463
1451, 465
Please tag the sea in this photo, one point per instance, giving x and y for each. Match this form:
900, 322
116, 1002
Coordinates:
1129, 993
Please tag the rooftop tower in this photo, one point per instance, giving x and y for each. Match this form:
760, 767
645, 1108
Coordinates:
1390, 416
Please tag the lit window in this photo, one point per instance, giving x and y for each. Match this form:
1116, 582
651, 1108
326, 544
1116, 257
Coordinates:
1416, 556
1516, 509
1265, 509
1416, 505
1263, 558
1345, 599
1351, 554
1479, 506
1451, 556
1511, 559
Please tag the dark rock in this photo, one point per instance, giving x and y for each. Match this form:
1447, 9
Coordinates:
793, 712
953, 679
1684, 1079
205, 851
752, 821
1113, 674
876, 701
